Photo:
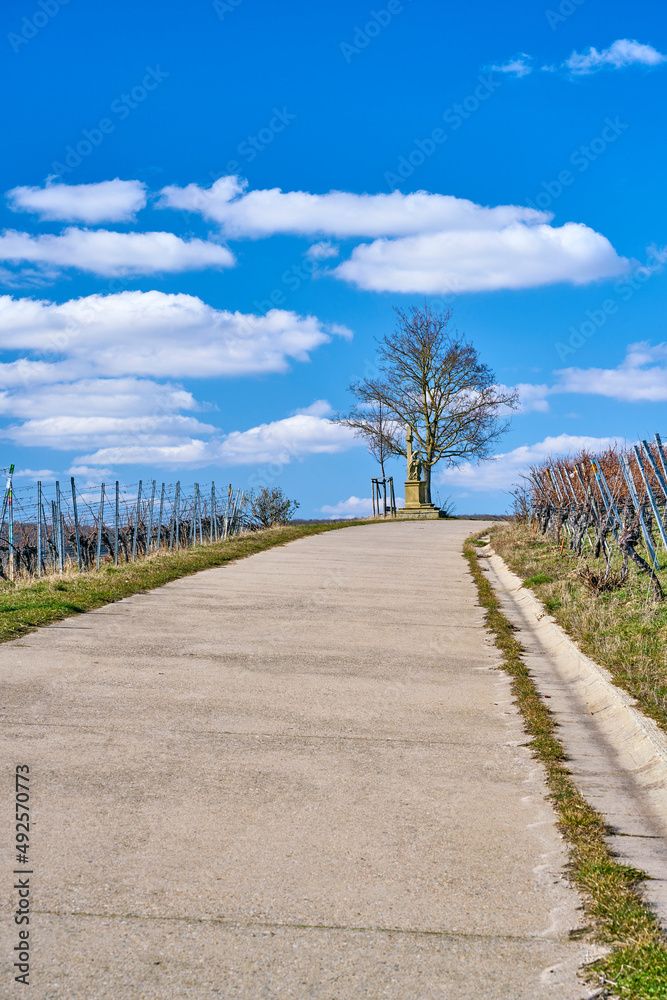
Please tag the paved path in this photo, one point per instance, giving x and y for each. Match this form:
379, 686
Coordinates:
297, 776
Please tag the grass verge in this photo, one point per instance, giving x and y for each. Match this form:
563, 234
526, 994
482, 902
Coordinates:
28, 604
636, 966
623, 628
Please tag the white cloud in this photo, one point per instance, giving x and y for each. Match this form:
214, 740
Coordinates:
519, 66
320, 408
263, 213
150, 333
425, 243
517, 256
107, 253
282, 440
43, 475
505, 470
350, 508
107, 201
532, 397
641, 376
277, 443
98, 412
623, 52
92, 476
322, 251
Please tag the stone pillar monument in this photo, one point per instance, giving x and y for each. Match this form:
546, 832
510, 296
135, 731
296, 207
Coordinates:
415, 487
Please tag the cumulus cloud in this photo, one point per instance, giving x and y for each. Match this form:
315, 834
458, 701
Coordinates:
350, 508
519, 66
107, 201
322, 251
320, 408
277, 443
505, 470
149, 333
96, 412
262, 213
425, 243
623, 52
110, 254
517, 256
282, 440
641, 376
44, 475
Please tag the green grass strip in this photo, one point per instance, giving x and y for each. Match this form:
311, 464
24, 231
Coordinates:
636, 966
26, 605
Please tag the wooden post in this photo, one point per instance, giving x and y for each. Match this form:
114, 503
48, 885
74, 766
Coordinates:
136, 523
76, 525
100, 517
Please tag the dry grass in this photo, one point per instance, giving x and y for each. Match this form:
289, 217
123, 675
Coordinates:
636, 967
615, 621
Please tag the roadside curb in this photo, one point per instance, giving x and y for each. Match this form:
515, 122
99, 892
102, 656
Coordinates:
618, 756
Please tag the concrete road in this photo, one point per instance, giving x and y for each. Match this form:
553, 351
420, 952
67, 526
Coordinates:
296, 776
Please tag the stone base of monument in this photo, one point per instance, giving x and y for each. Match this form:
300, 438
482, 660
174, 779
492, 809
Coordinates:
415, 502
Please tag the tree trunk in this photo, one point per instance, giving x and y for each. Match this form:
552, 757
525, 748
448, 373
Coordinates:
427, 480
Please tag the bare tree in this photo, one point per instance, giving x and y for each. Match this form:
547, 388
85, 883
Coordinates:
372, 421
431, 378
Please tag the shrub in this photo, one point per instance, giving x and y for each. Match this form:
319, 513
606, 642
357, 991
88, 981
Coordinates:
270, 506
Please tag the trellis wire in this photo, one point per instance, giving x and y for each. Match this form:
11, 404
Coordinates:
84, 528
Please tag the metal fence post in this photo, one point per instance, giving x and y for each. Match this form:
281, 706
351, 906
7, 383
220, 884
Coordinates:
116, 525
136, 523
651, 498
61, 538
177, 525
100, 517
76, 525
627, 473
149, 530
214, 521
10, 501
39, 528
158, 540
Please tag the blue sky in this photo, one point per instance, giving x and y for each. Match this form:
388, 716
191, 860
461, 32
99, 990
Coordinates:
183, 294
